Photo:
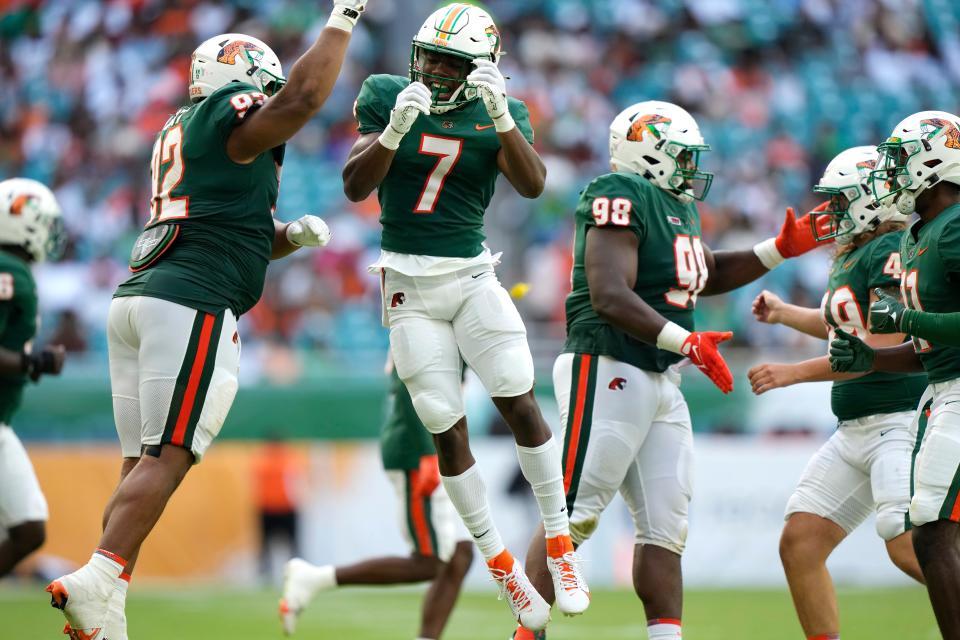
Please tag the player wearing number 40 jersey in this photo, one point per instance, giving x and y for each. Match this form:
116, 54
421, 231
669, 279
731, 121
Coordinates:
865, 465
200, 264
433, 145
918, 170
639, 266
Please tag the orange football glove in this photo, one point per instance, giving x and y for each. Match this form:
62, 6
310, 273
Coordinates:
796, 235
701, 348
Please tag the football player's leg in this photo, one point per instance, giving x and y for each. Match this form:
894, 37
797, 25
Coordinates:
657, 490
935, 507
23, 509
890, 462
832, 499
493, 341
302, 580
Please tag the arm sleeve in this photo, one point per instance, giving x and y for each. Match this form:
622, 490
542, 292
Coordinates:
613, 201
939, 328
372, 116
521, 116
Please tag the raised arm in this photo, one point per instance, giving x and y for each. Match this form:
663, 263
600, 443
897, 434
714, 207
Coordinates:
610, 262
309, 84
517, 159
729, 270
769, 308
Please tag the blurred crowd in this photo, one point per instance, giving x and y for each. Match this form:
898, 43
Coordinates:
778, 87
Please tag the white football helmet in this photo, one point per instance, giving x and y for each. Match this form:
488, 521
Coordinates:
661, 142
852, 209
923, 150
462, 32
30, 218
234, 57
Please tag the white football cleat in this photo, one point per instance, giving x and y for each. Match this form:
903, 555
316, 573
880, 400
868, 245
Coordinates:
528, 606
301, 581
84, 602
570, 588
115, 625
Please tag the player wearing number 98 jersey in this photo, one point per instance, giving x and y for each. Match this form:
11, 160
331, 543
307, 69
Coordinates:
200, 263
639, 266
433, 146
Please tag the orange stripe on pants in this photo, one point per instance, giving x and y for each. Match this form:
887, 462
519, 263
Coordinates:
196, 370
577, 420
421, 527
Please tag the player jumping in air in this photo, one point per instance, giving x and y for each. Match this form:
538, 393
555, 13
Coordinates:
865, 465
639, 266
919, 171
439, 553
199, 265
433, 145
30, 232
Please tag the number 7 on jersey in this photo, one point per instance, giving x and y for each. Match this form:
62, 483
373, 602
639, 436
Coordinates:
447, 151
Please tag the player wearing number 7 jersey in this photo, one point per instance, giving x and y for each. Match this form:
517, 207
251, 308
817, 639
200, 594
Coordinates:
200, 264
433, 145
639, 266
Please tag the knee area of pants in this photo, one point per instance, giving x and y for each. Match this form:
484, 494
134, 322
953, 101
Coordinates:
675, 542
582, 529
890, 524
512, 373
437, 412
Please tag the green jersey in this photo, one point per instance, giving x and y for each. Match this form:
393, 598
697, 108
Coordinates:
403, 439
931, 282
671, 268
845, 306
433, 198
224, 209
18, 325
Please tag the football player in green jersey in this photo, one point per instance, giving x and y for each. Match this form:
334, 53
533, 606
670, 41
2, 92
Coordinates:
200, 264
639, 266
919, 171
433, 145
865, 465
440, 550
30, 232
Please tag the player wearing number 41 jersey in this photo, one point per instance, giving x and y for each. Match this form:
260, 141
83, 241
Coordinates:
433, 145
200, 263
639, 266
918, 170
865, 465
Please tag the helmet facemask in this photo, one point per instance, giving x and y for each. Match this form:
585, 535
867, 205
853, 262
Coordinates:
836, 222
892, 175
687, 179
448, 91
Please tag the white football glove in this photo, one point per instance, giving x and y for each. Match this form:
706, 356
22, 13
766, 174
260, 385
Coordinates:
308, 231
411, 102
492, 87
346, 13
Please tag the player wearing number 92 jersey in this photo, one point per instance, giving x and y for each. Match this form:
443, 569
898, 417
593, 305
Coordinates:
172, 328
433, 146
639, 266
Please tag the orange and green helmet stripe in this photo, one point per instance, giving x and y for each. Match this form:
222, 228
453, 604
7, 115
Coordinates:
449, 21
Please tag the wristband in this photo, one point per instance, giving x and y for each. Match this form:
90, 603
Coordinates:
504, 123
286, 233
343, 18
908, 320
672, 337
768, 254
34, 363
390, 138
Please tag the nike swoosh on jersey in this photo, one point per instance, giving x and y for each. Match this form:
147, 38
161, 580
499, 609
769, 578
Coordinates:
883, 433
482, 127
920, 252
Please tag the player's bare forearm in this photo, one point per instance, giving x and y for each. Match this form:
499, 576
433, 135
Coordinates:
900, 359
366, 167
729, 270
818, 370
769, 376
308, 86
805, 320
521, 164
282, 247
610, 260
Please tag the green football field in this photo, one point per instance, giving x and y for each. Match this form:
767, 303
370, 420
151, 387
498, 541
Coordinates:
211, 614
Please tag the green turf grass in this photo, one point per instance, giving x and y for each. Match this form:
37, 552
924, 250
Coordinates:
212, 614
